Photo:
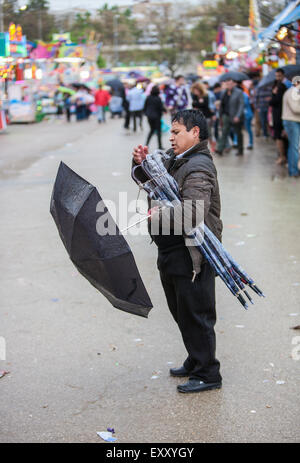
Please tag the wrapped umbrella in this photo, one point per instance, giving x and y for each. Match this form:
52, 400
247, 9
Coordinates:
153, 177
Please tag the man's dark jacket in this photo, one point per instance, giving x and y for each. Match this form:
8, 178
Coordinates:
196, 176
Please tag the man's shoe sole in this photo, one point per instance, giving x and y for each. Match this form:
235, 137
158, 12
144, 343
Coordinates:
208, 388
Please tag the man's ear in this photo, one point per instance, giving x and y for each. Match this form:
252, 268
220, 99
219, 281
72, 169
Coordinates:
196, 131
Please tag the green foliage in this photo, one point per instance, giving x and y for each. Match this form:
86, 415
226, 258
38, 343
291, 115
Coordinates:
101, 63
82, 27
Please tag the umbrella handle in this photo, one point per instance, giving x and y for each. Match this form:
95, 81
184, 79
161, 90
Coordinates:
140, 221
135, 223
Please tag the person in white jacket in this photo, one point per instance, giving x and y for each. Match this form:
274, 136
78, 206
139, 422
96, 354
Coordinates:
291, 123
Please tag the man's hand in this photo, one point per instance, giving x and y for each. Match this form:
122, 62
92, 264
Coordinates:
236, 120
153, 211
139, 153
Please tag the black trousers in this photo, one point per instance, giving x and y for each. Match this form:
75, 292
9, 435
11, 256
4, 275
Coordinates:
193, 308
155, 126
134, 115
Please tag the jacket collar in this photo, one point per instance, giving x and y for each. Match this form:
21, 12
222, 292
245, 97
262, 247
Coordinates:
200, 148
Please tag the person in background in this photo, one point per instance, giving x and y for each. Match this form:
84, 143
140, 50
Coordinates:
278, 91
80, 99
248, 113
176, 96
115, 105
291, 123
281, 77
217, 89
154, 109
200, 100
67, 105
262, 98
59, 102
232, 116
211, 97
136, 100
102, 98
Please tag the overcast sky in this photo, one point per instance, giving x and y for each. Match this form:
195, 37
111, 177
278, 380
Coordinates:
94, 4
69, 4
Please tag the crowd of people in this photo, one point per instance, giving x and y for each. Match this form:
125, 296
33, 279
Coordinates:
232, 109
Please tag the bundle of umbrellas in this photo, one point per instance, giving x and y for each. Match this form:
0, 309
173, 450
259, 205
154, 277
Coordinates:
152, 176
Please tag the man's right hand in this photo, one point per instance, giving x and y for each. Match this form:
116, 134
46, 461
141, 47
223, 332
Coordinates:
139, 153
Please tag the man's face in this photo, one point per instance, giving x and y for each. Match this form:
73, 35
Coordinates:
230, 84
279, 76
180, 82
181, 140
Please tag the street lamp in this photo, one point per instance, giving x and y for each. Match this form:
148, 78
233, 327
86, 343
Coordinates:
1, 16
116, 38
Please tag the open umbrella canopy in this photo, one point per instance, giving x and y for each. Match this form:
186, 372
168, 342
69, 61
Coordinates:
70, 91
234, 75
105, 260
291, 70
142, 79
116, 85
78, 85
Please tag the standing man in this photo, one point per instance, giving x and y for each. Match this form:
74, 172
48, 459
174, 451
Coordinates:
188, 280
262, 98
136, 100
176, 96
278, 91
232, 116
102, 98
291, 123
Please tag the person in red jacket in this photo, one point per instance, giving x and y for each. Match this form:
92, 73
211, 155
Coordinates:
102, 98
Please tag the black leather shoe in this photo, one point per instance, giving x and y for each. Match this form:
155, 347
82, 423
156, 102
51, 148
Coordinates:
179, 372
195, 385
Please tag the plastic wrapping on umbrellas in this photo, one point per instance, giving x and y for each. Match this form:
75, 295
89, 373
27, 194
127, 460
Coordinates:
162, 187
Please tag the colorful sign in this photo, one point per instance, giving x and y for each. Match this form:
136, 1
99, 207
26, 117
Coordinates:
65, 37
210, 64
4, 44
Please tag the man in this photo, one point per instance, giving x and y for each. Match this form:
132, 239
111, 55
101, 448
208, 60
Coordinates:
102, 98
136, 100
281, 77
176, 96
278, 91
188, 280
232, 116
217, 89
262, 98
291, 123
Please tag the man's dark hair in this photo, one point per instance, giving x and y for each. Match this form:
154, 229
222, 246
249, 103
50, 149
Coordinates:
217, 85
280, 70
155, 90
178, 77
192, 118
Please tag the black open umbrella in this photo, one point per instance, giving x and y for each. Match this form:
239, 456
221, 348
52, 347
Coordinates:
290, 70
78, 85
117, 86
234, 75
106, 261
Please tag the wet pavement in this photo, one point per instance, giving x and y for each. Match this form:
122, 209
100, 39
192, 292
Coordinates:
78, 366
